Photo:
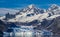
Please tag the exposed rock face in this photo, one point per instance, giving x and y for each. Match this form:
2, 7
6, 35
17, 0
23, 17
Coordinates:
55, 27
2, 26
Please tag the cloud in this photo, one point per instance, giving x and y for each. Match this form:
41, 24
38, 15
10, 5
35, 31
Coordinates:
6, 10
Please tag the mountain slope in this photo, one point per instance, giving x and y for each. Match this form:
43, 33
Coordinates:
32, 13
29, 14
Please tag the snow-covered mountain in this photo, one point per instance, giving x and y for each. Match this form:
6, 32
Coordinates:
39, 19
54, 9
32, 13
29, 14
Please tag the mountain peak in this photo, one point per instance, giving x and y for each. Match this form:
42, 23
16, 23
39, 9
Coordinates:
31, 6
54, 6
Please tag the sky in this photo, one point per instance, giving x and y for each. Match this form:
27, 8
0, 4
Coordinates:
23, 3
5, 5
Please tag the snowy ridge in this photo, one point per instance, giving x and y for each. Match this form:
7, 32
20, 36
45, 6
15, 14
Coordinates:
29, 14
54, 9
29, 19
32, 13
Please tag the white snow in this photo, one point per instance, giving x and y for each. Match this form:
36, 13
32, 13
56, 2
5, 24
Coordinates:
24, 18
52, 17
31, 6
3, 17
